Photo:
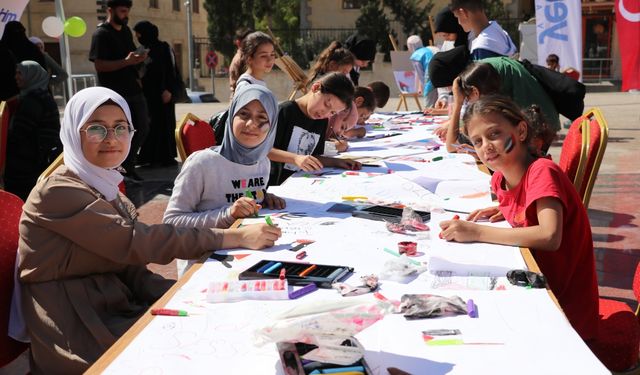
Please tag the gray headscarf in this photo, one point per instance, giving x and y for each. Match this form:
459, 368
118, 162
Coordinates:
34, 76
230, 148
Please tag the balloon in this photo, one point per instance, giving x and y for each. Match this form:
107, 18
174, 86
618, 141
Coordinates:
75, 27
52, 26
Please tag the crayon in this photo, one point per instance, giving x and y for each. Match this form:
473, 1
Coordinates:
273, 268
307, 270
169, 312
302, 291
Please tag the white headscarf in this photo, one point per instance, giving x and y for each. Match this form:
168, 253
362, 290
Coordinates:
78, 110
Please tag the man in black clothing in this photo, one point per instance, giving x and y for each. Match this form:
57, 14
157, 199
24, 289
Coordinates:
115, 58
364, 50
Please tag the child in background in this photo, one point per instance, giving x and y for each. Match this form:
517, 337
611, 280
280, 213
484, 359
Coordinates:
236, 66
542, 133
486, 38
302, 126
334, 58
212, 188
381, 93
258, 57
340, 124
539, 201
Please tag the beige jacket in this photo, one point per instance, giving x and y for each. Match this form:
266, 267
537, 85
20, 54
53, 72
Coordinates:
82, 270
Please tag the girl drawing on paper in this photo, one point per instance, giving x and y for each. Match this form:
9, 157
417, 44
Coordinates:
219, 185
541, 204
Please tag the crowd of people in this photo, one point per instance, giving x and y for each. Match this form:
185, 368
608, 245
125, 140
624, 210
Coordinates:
80, 290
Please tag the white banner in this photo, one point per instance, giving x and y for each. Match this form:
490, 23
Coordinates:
559, 31
11, 10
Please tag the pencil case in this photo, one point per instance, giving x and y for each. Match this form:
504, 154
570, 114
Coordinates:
297, 273
238, 290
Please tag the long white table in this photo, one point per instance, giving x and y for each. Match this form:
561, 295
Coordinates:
534, 336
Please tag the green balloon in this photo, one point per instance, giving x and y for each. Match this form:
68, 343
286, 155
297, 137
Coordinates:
75, 27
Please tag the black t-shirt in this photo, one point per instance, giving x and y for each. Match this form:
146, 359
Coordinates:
108, 43
296, 133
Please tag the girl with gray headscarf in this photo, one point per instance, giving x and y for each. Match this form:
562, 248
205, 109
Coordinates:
33, 141
218, 185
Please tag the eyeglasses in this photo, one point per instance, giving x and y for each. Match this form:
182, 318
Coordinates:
97, 133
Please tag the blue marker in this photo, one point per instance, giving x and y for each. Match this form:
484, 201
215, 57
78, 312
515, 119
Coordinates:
273, 267
266, 266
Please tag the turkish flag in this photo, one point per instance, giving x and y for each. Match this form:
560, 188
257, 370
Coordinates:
628, 21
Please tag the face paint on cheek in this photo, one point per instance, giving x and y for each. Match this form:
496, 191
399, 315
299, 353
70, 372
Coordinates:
509, 144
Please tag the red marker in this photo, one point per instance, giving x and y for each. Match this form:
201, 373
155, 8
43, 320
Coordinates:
283, 273
301, 255
169, 312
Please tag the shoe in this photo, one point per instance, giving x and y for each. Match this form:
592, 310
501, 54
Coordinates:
132, 175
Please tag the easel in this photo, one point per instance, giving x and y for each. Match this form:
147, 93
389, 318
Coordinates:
289, 66
400, 62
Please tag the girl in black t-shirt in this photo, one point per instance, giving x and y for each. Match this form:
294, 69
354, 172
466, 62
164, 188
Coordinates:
302, 125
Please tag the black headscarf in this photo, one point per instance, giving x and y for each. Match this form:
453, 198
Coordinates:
444, 67
446, 22
148, 33
361, 46
15, 38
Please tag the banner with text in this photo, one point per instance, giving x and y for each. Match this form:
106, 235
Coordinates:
11, 10
559, 31
628, 21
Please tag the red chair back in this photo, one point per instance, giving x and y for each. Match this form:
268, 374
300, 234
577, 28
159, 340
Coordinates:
11, 208
636, 285
192, 135
583, 150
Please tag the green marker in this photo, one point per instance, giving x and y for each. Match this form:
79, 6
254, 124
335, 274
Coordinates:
437, 158
268, 220
396, 254
445, 342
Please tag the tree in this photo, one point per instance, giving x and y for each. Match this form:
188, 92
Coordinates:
374, 24
413, 17
224, 18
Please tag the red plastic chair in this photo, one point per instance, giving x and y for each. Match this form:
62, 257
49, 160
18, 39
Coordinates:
11, 208
618, 342
193, 134
583, 150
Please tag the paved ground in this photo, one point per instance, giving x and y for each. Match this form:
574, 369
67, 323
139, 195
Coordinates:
614, 210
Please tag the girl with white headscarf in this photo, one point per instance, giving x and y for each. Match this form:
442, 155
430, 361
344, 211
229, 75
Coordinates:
82, 253
33, 140
218, 185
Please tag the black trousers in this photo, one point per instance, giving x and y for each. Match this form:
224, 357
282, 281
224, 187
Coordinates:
140, 118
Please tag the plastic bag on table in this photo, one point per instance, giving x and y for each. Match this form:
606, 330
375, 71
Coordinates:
410, 221
326, 324
401, 269
421, 306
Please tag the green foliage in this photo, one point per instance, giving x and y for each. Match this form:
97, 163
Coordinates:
374, 24
413, 17
494, 9
225, 17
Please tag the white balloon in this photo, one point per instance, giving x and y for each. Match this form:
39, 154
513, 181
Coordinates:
52, 26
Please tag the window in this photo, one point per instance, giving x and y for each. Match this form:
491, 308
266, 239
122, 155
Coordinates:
352, 4
153, 4
176, 5
195, 6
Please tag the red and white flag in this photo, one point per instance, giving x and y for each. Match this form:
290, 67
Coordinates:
628, 21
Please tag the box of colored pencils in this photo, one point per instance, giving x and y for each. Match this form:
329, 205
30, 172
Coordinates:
297, 273
239, 290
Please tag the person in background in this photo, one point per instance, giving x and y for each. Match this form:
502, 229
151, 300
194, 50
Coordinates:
158, 82
446, 26
33, 140
420, 58
116, 60
211, 189
302, 126
236, 67
381, 93
334, 58
553, 62
444, 67
15, 38
540, 203
258, 57
487, 38
56, 73
83, 254
341, 126
8, 87
364, 49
